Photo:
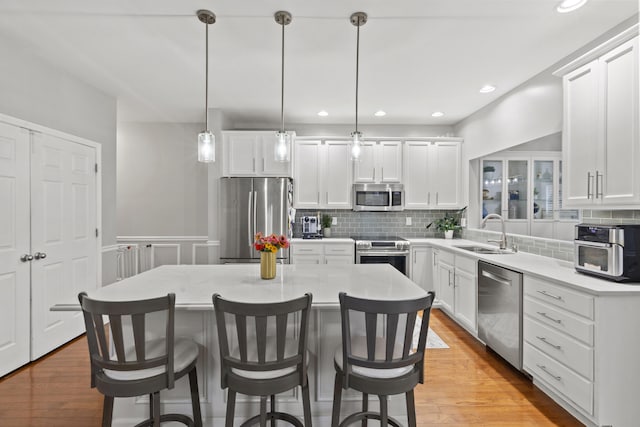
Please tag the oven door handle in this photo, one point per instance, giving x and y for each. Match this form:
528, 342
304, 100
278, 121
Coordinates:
382, 253
593, 244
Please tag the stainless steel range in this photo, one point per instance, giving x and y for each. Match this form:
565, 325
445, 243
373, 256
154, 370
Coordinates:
383, 250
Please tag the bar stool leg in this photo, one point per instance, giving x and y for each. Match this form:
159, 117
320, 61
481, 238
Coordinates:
231, 408
306, 405
365, 407
107, 411
263, 411
195, 397
337, 398
411, 409
156, 409
384, 413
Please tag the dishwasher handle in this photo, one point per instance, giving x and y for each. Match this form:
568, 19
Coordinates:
496, 278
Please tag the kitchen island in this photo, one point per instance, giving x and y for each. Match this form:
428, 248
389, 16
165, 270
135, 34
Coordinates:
194, 287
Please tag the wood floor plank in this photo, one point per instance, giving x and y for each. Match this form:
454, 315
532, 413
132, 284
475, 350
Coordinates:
465, 385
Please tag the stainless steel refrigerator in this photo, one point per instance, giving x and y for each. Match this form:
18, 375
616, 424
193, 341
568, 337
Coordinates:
250, 205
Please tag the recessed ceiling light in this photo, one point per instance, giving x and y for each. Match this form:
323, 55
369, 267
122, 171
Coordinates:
570, 5
437, 114
323, 113
487, 88
380, 113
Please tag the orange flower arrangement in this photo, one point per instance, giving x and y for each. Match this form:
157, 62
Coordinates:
271, 243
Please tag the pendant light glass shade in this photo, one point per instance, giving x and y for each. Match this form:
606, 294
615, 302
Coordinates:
283, 143
358, 19
206, 140
206, 147
282, 146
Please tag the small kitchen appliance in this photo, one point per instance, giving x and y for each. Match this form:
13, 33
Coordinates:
608, 251
310, 227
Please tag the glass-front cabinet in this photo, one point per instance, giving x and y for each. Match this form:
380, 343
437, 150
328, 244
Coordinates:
526, 191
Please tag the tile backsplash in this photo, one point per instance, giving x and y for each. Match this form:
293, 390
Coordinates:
611, 217
352, 223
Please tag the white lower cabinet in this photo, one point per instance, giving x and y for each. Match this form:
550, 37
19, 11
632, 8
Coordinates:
421, 267
322, 251
581, 350
455, 278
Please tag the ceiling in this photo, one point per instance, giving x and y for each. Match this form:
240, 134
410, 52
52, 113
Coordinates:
416, 56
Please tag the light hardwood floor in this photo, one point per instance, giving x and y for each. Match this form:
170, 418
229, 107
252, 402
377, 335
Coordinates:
465, 386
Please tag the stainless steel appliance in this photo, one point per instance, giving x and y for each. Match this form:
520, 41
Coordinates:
608, 251
378, 197
383, 250
250, 205
310, 227
500, 311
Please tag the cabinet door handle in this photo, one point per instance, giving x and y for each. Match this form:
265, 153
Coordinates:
374, 174
327, 199
318, 197
254, 164
436, 198
544, 369
382, 174
26, 257
544, 340
598, 186
547, 294
264, 164
545, 315
39, 255
429, 198
589, 195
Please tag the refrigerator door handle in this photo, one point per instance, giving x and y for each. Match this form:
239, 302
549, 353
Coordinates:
255, 213
249, 233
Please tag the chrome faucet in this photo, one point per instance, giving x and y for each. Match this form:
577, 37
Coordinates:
503, 238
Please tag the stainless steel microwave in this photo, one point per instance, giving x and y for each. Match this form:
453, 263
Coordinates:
378, 197
608, 251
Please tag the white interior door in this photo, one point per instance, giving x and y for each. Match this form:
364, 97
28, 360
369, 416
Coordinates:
63, 226
14, 243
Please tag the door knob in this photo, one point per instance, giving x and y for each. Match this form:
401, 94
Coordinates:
26, 257
39, 255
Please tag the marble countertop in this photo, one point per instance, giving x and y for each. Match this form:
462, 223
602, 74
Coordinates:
194, 285
323, 240
551, 269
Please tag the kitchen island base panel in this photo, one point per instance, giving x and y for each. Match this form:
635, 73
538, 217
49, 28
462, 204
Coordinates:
324, 338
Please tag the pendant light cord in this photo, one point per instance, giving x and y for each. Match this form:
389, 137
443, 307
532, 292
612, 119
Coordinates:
206, 79
357, 66
282, 81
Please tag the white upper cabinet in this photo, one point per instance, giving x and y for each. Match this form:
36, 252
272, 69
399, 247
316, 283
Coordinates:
322, 175
251, 153
380, 162
432, 174
600, 137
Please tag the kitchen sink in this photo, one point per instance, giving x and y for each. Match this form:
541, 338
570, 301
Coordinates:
485, 250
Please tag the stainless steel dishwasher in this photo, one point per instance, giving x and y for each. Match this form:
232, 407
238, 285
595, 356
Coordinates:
500, 311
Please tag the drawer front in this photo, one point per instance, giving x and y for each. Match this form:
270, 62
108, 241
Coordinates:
306, 249
575, 302
338, 249
561, 320
447, 257
559, 346
559, 378
467, 264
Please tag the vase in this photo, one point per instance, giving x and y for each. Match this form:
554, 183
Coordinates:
326, 232
448, 234
268, 265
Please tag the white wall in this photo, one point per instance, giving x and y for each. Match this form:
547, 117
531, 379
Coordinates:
33, 90
162, 189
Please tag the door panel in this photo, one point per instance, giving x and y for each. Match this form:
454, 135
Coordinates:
14, 243
63, 224
236, 214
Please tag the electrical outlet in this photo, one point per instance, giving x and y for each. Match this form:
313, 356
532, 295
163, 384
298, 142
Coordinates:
334, 221
408, 220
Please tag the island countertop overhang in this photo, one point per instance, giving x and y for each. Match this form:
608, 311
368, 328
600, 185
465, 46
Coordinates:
194, 285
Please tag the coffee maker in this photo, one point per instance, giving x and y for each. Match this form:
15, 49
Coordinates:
311, 227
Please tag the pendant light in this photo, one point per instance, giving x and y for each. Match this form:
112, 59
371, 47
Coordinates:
358, 19
283, 143
206, 139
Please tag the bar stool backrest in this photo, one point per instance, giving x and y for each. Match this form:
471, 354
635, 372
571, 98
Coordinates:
262, 334
128, 319
389, 324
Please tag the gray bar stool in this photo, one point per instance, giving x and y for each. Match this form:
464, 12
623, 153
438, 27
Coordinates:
146, 366
381, 365
254, 362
